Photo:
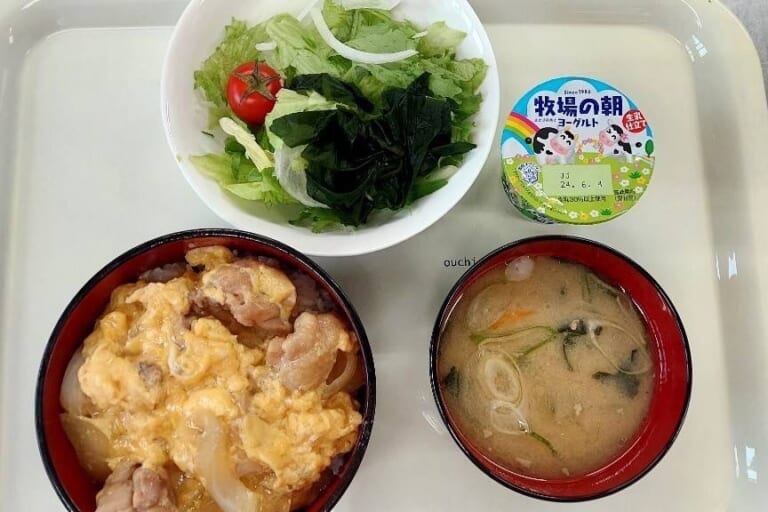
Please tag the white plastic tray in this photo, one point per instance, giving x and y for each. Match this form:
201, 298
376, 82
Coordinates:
85, 174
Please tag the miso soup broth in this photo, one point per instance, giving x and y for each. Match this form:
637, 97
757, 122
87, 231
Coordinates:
545, 368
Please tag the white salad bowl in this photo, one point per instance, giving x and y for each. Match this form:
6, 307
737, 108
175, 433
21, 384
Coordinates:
185, 116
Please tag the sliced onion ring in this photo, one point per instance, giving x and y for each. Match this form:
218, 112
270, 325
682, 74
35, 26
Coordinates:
507, 419
91, 444
340, 382
386, 5
267, 46
354, 54
215, 471
306, 10
293, 181
498, 366
72, 398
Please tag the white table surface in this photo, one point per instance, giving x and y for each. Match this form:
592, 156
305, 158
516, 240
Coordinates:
754, 14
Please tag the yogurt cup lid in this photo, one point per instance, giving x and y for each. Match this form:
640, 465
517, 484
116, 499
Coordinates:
576, 150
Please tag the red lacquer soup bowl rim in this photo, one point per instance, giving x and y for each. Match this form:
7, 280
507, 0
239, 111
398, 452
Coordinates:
673, 374
199, 237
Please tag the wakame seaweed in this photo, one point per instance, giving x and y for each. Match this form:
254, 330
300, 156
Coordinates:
629, 365
567, 343
331, 89
452, 382
627, 384
601, 285
572, 330
359, 161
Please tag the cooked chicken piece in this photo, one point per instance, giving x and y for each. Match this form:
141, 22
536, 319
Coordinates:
150, 491
256, 294
150, 373
131, 488
117, 494
305, 358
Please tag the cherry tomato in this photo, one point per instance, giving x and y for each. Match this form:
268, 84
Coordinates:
251, 91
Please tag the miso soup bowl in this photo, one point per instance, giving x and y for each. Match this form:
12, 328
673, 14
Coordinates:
75, 488
667, 344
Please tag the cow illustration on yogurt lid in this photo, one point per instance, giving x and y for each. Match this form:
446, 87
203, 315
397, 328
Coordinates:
576, 150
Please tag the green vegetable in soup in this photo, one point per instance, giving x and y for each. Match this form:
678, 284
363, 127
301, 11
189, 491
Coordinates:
571, 331
543, 440
586, 289
567, 342
639, 361
592, 282
603, 286
632, 360
576, 327
499, 336
627, 384
539, 345
522, 346
452, 382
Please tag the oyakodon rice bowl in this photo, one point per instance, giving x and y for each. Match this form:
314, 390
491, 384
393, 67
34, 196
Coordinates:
560, 368
206, 371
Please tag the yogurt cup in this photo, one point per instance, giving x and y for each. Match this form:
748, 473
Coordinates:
576, 150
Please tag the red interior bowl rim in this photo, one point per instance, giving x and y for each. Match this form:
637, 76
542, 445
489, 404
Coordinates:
369, 406
433, 360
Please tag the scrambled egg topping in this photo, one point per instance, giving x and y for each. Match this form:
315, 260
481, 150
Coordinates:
151, 365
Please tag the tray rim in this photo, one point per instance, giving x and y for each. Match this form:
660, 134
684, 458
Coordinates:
7, 235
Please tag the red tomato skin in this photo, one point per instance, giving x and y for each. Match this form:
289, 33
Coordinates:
252, 109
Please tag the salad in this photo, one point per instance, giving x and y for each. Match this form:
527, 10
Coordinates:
341, 113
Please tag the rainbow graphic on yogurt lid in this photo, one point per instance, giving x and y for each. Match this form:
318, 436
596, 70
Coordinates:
520, 128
